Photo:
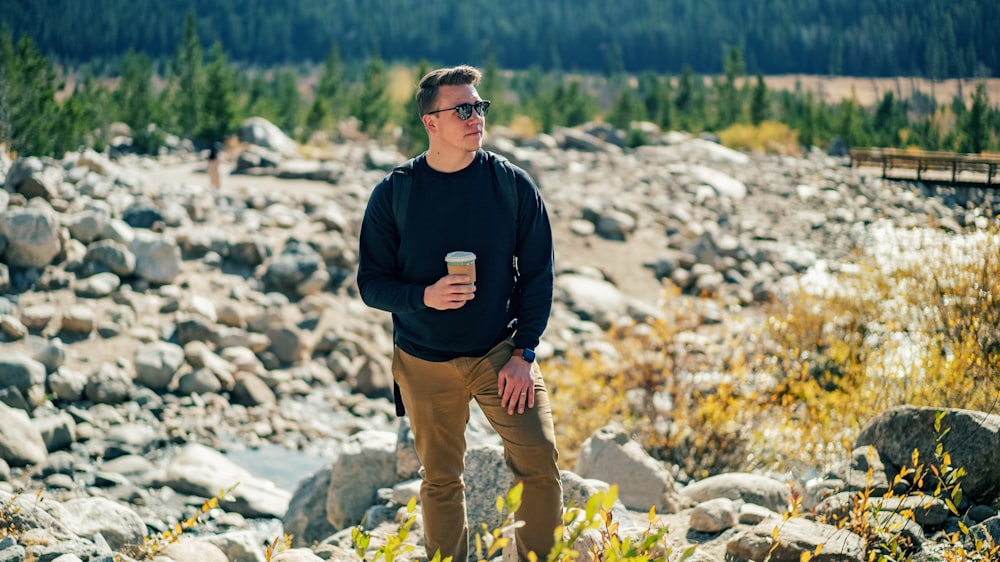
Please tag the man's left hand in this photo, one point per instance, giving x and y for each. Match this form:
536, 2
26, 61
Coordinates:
517, 386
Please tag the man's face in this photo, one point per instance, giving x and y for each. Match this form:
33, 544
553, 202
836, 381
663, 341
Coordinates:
446, 129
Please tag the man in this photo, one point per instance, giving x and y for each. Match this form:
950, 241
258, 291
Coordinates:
453, 338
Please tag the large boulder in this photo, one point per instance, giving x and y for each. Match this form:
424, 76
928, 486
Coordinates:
32, 235
261, 132
21, 443
366, 463
971, 438
643, 482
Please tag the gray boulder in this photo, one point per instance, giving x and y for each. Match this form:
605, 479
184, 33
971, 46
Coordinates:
202, 471
796, 536
157, 258
366, 463
643, 482
750, 488
972, 440
21, 443
32, 235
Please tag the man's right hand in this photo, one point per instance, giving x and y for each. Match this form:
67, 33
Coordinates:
450, 292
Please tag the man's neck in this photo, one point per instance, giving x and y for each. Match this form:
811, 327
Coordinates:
448, 161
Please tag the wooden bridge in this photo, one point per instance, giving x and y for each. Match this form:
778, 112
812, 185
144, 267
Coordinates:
973, 170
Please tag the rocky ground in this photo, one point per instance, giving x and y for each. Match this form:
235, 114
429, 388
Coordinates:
145, 313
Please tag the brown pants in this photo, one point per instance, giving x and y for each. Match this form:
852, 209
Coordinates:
436, 396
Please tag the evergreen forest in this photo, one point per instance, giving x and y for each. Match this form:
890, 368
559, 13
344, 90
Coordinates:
310, 68
928, 38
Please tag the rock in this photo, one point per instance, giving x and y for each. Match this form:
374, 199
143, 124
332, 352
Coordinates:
306, 520
58, 431
202, 471
750, 488
32, 235
261, 132
117, 524
297, 555
238, 546
796, 536
29, 177
156, 364
79, 320
972, 440
108, 385
21, 443
86, 226
713, 516
185, 551
158, 258
98, 286
366, 463
643, 482
19, 371
113, 255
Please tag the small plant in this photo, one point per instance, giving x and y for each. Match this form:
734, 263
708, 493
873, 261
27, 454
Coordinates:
154, 544
395, 544
279, 544
650, 545
490, 543
10, 525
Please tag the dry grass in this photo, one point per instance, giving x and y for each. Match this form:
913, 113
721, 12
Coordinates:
869, 91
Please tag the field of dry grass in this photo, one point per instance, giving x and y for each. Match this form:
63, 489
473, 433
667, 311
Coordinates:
833, 89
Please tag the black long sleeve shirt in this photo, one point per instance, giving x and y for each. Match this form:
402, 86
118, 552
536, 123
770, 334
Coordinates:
463, 210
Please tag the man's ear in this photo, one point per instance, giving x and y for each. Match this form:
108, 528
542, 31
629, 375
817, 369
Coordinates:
429, 122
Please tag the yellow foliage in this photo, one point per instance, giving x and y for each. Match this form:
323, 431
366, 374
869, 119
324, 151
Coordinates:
769, 136
793, 391
523, 127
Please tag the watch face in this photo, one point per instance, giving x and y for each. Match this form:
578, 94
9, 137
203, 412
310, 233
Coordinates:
529, 354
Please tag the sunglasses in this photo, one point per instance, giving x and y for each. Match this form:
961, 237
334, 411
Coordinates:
465, 109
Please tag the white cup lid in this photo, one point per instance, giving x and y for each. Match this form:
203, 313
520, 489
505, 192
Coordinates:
460, 256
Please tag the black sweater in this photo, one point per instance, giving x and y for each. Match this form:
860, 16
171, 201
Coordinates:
464, 210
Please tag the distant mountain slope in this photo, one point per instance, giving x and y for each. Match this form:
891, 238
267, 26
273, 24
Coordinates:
931, 38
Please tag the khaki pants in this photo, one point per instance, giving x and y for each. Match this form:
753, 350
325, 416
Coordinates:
436, 396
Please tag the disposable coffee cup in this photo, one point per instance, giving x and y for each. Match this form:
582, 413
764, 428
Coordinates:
462, 263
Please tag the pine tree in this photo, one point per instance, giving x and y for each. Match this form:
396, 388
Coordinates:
626, 109
656, 96
730, 98
218, 103
189, 79
96, 101
850, 124
574, 106
371, 105
414, 138
287, 101
975, 127
331, 88
760, 106
29, 115
888, 121
133, 98
7, 78
491, 88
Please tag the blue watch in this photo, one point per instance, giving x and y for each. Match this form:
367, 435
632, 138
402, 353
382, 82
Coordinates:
527, 354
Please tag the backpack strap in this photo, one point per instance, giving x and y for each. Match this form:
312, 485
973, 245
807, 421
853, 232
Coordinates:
402, 186
503, 174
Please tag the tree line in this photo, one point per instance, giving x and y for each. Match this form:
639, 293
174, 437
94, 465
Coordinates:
199, 94
927, 38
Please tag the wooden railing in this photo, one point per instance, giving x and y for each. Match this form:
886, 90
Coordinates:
936, 167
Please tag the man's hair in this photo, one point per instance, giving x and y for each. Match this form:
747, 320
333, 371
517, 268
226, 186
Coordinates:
427, 91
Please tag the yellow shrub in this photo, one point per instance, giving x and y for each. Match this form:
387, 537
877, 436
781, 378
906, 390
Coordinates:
769, 136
